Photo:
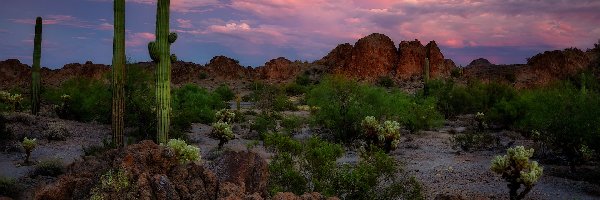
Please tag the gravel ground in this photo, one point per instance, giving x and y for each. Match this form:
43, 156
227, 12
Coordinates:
444, 170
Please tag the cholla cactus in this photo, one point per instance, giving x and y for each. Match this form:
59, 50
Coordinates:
222, 131
516, 168
480, 118
225, 115
386, 136
185, 152
12, 99
28, 145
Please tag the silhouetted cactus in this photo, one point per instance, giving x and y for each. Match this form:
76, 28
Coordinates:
118, 74
160, 52
35, 70
28, 145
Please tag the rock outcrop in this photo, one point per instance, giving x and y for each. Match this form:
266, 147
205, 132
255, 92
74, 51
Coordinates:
154, 172
14, 74
280, 69
224, 67
412, 56
338, 57
372, 57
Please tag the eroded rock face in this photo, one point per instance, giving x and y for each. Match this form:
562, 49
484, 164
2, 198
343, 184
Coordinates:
72, 70
279, 69
412, 56
155, 173
372, 57
228, 68
338, 57
480, 62
438, 67
14, 74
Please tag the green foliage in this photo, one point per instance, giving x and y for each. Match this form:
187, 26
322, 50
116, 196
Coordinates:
310, 166
225, 115
386, 136
194, 104
186, 153
140, 107
9, 187
10, 102
517, 170
385, 81
264, 122
222, 132
344, 103
113, 181
95, 150
56, 131
294, 89
291, 123
53, 167
225, 92
28, 145
82, 99
203, 75
473, 140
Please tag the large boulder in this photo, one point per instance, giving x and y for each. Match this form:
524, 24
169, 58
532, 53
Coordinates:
14, 74
412, 56
280, 69
154, 172
338, 57
227, 68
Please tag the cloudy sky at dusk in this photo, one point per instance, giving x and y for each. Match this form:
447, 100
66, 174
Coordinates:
255, 31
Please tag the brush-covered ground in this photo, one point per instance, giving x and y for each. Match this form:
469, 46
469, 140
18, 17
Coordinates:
314, 136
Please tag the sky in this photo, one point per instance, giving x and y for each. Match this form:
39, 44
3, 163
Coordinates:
256, 31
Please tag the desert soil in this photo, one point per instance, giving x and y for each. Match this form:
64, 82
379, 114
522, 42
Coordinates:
428, 156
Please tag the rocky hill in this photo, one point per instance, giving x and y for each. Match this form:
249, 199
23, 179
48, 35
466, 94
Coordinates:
369, 59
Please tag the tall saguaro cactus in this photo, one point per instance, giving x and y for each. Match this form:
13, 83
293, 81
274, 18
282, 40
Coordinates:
118, 74
160, 52
35, 73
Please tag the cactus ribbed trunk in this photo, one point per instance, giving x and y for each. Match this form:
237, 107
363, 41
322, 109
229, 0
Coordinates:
163, 72
118, 74
426, 70
35, 71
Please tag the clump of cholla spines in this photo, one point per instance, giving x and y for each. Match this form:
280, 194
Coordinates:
517, 170
385, 136
222, 128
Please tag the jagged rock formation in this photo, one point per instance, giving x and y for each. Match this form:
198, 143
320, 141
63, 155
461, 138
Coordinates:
14, 74
337, 57
224, 67
372, 57
154, 172
280, 69
412, 58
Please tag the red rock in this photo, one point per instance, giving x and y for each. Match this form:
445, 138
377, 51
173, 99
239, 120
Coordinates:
372, 57
228, 68
412, 56
279, 69
437, 64
338, 57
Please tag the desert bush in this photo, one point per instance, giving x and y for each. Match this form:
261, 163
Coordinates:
186, 153
82, 99
222, 132
385, 81
224, 92
52, 167
291, 123
310, 166
28, 145
193, 104
294, 89
566, 118
517, 170
473, 140
113, 181
56, 131
344, 103
10, 102
265, 122
203, 75
140, 102
9, 187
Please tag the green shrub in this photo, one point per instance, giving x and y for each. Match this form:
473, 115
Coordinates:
140, 102
203, 75
88, 100
186, 153
303, 80
53, 167
516, 168
386, 136
57, 131
9, 187
113, 181
264, 122
224, 92
291, 123
95, 150
193, 104
344, 103
294, 89
385, 81
311, 166
473, 140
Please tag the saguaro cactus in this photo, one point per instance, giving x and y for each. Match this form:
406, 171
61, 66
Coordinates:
35, 73
118, 74
160, 52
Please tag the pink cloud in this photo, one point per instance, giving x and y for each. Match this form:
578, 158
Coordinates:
139, 39
67, 20
183, 23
